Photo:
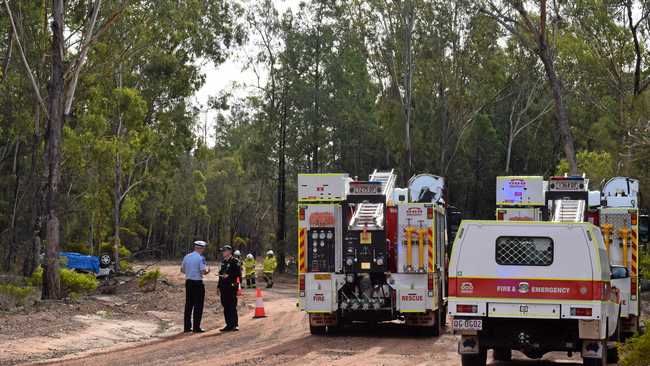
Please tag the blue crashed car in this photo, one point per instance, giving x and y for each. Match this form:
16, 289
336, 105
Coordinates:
81, 262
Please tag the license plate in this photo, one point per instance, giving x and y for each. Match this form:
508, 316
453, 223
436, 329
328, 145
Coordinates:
467, 324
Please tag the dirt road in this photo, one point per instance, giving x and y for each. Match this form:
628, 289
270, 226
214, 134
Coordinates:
283, 338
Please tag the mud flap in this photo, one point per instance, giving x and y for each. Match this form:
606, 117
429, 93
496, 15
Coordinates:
468, 344
630, 325
593, 349
420, 319
323, 319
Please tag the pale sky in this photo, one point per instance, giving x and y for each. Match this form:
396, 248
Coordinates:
230, 75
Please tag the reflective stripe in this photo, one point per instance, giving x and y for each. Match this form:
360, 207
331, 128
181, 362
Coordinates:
635, 262
430, 245
302, 253
509, 288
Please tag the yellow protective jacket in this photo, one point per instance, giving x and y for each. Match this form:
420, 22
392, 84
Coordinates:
270, 263
249, 267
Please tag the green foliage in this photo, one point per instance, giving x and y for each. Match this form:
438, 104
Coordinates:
644, 265
12, 296
74, 282
125, 265
634, 352
597, 165
239, 242
333, 100
149, 279
108, 248
36, 279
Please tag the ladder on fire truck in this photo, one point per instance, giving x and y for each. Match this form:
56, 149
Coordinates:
371, 215
569, 210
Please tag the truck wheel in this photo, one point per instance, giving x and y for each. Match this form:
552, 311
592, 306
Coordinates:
334, 329
594, 362
443, 318
479, 359
317, 330
437, 326
612, 354
502, 354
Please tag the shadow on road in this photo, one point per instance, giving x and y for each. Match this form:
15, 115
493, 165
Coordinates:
381, 330
534, 363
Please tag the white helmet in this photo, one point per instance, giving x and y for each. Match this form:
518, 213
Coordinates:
237, 253
249, 256
270, 252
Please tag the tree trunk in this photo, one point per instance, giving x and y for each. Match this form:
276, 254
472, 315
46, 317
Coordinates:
11, 251
51, 280
444, 128
116, 214
409, 23
7, 60
508, 153
560, 108
281, 235
31, 261
117, 188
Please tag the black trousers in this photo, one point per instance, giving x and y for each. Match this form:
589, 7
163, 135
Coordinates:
229, 303
250, 281
268, 277
194, 297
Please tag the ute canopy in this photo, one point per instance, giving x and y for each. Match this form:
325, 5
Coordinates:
540, 250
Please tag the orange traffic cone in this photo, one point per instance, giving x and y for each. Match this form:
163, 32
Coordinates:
238, 287
259, 305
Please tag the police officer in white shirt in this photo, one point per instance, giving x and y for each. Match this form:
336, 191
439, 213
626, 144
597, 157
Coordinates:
194, 267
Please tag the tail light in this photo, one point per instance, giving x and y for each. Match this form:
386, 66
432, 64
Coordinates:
580, 311
301, 284
633, 219
500, 215
467, 308
301, 213
430, 284
430, 213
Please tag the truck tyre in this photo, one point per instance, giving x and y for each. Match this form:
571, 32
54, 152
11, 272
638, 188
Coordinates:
612, 355
317, 330
594, 362
334, 329
443, 318
479, 359
502, 354
437, 327
597, 361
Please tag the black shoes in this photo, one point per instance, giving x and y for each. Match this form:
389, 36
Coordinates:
199, 330
229, 329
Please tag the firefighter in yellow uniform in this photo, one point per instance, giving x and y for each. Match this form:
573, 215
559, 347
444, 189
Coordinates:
270, 264
249, 270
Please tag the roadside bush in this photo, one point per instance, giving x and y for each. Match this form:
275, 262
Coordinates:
149, 280
635, 351
644, 266
12, 296
108, 248
80, 283
126, 266
36, 279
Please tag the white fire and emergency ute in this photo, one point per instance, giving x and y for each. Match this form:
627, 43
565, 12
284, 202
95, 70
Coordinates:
535, 285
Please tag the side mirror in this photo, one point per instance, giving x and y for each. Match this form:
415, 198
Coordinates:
618, 272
